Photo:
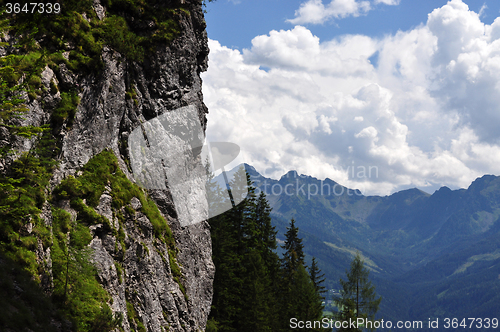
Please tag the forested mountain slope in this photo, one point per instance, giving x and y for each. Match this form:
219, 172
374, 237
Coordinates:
430, 255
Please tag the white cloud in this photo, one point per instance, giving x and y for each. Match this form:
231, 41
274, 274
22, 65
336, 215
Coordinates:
315, 12
299, 50
426, 116
388, 2
482, 10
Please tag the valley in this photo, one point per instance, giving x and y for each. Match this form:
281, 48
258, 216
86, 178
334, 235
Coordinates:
430, 256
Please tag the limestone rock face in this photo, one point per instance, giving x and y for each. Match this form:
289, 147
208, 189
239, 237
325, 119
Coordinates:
168, 78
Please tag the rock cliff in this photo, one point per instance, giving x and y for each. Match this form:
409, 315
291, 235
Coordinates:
157, 283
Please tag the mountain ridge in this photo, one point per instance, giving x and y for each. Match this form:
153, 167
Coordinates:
418, 244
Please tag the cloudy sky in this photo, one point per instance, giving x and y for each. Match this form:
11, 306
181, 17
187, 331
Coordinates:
335, 88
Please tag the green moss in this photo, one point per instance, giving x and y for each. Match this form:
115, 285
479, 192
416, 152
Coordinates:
68, 188
133, 318
121, 233
185, 11
130, 210
116, 33
24, 256
80, 236
162, 231
76, 288
43, 233
35, 82
86, 39
21, 200
80, 62
131, 313
66, 109
131, 94
141, 327
10, 75
32, 95
62, 219
174, 267
166, 31
176, 272
181, 287
145, 247
29, 242
53, 87
119, 272
30, 64
103, 170
88, 215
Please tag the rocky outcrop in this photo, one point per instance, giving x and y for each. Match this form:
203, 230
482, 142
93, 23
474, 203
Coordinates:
141, 273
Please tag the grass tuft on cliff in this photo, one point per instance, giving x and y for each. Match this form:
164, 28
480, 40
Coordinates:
103, 171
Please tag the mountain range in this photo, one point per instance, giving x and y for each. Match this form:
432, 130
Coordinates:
430, 256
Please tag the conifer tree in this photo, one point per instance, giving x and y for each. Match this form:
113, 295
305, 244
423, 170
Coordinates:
317, 279
357, 297
253, 289
294, 253
267, 248
306, 305
267, 233
226, 260
243, 241
298, 294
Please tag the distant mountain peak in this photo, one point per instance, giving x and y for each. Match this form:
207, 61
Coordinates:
410, 192
290, 174
482, 181
250, 169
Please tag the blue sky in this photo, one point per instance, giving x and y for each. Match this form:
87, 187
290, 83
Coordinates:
236, 23
326, 87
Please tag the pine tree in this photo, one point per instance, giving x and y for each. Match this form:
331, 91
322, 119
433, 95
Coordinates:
243, 241
267, 236
267, 246
294, 253
253, 289
305, 302
257, 300
357, 296
217, 204
297, 295
226, 260
317, 279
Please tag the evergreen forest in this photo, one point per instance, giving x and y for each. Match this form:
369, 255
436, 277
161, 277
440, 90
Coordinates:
254, 288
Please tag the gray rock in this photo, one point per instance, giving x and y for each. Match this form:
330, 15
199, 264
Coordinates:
136, 203
168, 79
46, 76
99, 9
104, 207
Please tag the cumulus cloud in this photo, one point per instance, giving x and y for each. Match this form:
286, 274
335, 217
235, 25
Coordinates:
425, 116
388, 2
315, 12
299, 50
